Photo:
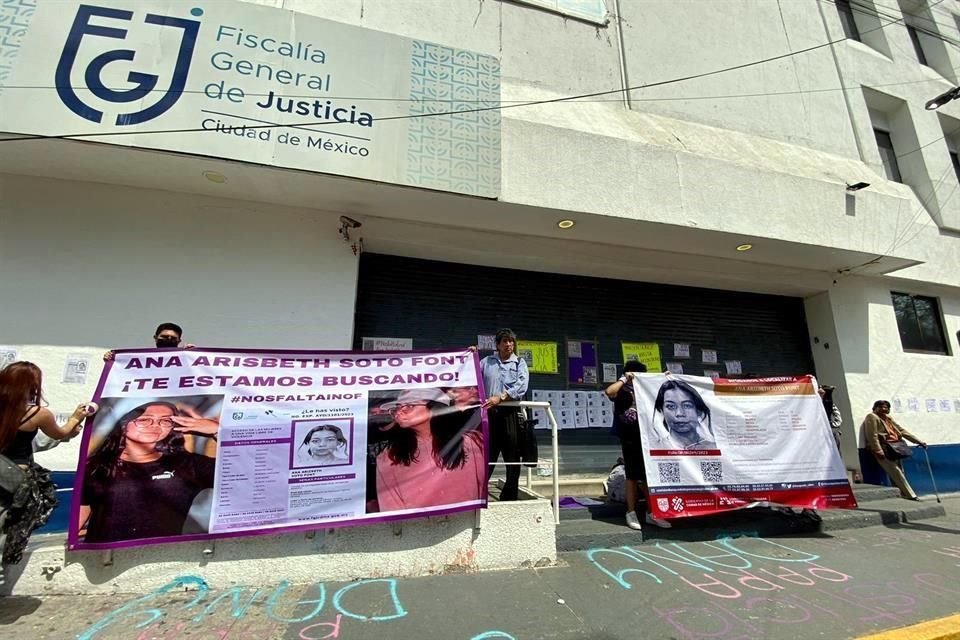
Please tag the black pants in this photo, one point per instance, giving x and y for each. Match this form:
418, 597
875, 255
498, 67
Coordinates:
504, 432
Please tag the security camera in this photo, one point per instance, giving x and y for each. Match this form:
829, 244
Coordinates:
345, 225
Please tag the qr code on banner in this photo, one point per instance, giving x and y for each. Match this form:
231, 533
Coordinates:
712, 470
669, 472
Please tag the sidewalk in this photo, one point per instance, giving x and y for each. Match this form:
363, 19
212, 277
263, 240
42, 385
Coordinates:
825, 586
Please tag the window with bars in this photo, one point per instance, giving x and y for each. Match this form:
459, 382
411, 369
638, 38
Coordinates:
919, 322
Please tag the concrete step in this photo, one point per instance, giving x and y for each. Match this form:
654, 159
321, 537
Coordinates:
885, 511
871, 492
592, 486
604, 526
616, 511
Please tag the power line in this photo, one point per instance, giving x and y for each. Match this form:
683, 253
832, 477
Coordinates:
915, 15
876, 13
900, 236
650, 85
573, 100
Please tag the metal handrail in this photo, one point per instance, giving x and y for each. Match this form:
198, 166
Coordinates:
555, 447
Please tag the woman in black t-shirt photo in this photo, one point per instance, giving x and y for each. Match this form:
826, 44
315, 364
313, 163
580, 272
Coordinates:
142, 481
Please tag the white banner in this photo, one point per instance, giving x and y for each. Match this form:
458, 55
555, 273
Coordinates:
717, 444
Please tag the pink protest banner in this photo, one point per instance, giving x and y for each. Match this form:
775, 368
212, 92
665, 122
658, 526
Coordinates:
207, 443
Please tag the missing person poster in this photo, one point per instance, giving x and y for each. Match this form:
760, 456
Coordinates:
715, 444
193, 444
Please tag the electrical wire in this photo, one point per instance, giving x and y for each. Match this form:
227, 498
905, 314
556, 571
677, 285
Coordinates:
900, 236
761, 94
696, 76
900, 10
875, 13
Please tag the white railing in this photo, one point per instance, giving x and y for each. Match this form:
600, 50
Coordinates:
554, 455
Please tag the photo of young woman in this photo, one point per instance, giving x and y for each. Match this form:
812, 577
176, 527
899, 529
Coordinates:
145, 469
432, 451
681, 419
322, 445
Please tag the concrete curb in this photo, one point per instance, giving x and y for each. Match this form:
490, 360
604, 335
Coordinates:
941, 629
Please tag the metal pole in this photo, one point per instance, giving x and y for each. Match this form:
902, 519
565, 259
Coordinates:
930, 469
555, 445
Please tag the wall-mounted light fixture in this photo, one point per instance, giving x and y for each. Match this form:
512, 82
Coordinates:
856, 186
942, 99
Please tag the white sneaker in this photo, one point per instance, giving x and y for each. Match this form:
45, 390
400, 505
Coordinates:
633, 521
658, 522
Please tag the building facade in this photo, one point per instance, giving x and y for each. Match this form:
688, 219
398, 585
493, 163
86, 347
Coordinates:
702, 151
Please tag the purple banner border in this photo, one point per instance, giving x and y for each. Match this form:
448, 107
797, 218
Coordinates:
73, 543
315, 526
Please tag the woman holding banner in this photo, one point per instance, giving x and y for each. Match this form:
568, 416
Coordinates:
141, 482
626, 426
428, 460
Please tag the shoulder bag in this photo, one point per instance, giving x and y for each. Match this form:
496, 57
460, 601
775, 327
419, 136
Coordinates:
896, 450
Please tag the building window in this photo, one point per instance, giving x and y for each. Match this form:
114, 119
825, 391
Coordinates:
887, 155
918, 318
917, 47
955, 159
846, 19
590, 10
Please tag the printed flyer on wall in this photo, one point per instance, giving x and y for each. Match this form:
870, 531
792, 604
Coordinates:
715, 444
192, 444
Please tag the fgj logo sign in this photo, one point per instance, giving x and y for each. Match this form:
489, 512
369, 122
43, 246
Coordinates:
102, 22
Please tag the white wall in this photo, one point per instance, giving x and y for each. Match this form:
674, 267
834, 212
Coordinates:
666, 39
897, 73
828, 360
536, 47
86, 267
875, 365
